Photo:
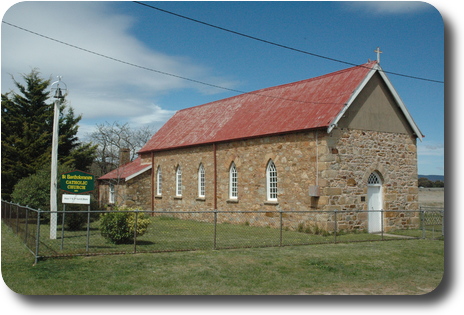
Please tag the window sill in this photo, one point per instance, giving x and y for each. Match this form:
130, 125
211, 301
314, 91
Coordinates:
177, 197
201, 199
272, 203
232, 201
158, 197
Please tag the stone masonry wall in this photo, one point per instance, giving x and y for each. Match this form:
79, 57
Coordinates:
342, 161
133, 193
351, 156
137, 193
104, 192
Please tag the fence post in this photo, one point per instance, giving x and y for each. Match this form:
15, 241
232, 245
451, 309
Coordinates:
335, 226
9, 217
215, 227
422, 218
62, 226
135, 230
381, 222
88, 230
17, 219
37, 240
281, 226
442, 223
27, 225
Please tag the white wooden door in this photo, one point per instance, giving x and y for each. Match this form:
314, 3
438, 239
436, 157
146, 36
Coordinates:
374, 203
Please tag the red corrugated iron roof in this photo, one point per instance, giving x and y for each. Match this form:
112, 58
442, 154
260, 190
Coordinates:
127, 170
302, 105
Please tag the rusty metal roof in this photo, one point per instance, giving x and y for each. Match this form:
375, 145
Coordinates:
127, 171
302, 105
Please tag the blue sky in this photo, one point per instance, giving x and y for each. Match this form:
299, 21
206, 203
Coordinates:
410, 34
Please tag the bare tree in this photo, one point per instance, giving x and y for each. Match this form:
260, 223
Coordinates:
111, 138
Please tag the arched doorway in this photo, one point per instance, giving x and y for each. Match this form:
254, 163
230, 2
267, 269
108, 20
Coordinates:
374, 203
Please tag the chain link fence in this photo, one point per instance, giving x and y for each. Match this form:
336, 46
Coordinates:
199, 230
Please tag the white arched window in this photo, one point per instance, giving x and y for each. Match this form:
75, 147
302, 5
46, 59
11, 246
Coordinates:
178, 181
201, 181
233, 189
374, 179
159, 182
112, 194
271, 181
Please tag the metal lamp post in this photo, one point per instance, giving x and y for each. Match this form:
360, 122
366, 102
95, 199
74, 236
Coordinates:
60, 90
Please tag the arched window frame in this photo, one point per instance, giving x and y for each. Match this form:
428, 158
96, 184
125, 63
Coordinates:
374, 179
112, 193
178, 181
233, 182
159, 182
271, 181
201, 181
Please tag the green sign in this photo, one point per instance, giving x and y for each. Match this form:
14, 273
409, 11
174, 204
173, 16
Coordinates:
77, 182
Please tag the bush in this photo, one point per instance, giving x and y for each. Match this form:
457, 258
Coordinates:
118, 226
34, 190
75, 221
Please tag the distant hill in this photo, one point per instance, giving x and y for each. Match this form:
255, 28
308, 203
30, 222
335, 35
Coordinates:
434, 177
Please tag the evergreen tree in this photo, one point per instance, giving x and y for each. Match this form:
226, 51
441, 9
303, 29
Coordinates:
27, 126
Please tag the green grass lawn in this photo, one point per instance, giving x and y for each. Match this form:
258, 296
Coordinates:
409, 267
172, 234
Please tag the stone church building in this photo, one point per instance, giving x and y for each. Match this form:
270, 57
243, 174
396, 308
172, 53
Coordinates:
343, 141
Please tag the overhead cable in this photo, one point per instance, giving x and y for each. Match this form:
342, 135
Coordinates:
277, 44
155, 70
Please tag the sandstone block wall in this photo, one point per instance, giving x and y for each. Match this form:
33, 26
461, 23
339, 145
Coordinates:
104, 192
339, 163
355, 155
134, 193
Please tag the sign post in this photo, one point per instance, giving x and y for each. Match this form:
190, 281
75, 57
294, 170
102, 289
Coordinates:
76, 183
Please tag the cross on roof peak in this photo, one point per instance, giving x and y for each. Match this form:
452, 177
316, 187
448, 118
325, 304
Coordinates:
378, 54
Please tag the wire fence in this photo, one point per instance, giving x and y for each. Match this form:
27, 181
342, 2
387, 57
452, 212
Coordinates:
200, 230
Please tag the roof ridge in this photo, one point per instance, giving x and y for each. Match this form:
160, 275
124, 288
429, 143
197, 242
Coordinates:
249, 115
257, 92
338, 72
331, 74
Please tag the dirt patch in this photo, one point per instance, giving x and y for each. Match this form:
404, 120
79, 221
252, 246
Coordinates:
432, 197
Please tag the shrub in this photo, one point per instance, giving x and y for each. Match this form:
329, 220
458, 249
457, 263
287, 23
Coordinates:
75, 221
118, 226
34, 190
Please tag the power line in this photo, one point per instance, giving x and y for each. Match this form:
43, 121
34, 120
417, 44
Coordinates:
119, 60
154, 70
277, 44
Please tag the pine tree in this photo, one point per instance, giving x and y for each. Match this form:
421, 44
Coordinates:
27, 125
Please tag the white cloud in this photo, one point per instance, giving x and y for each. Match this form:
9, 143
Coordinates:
431, 157
98, 87
152, 115
158, 116
431, 149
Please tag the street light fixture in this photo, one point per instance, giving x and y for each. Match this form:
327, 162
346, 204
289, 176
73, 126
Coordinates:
60, 90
